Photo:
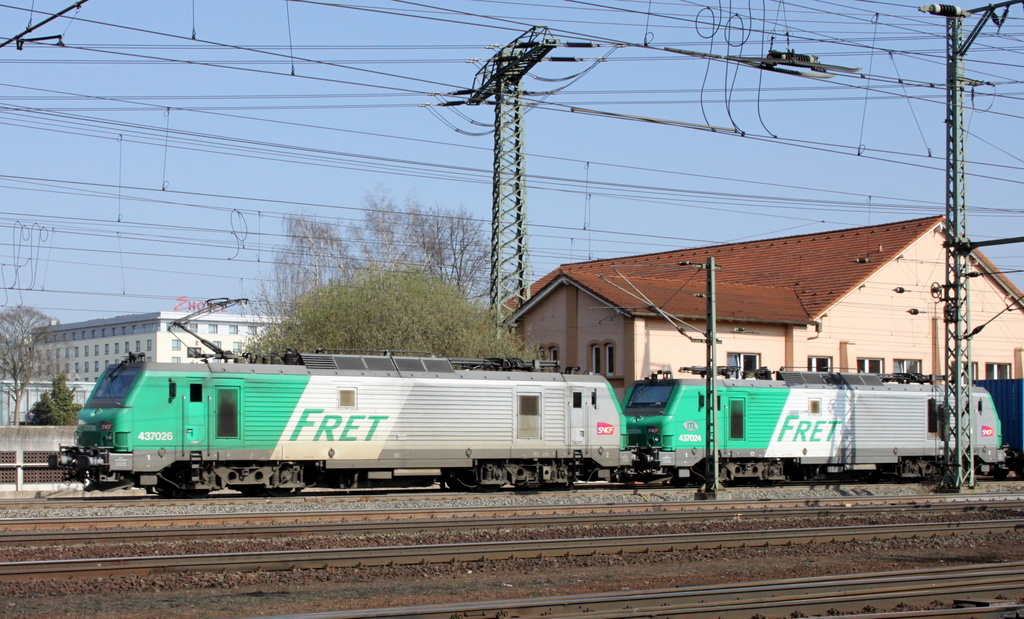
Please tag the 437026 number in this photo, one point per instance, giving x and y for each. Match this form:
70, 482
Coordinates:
156, 436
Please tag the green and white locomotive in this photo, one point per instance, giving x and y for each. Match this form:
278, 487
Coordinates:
803, 426
342, 421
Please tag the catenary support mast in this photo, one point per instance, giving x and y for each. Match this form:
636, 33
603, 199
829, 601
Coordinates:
958, 463
501, 77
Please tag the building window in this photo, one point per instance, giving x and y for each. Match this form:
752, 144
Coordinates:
175, 359
995, 371
974, 370
149, 345
67, 352
138, 345
595, 358
609, 360
127, 347
529, 415
211, 329
233, 329
124, 330
96, 366
175, 344
553, 353
76, 367
106, 349
217, 343
906, 366
236, 347
819, 364
66, 368
104, 331
134, 329
869, 365
94, 333
76, 352
747, 362
96, 350
86, 350
252, 329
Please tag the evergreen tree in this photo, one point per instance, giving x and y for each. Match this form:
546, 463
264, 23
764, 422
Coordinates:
57, 407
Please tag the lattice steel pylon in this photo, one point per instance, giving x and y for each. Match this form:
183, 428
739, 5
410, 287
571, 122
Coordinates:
958, 460
501, 79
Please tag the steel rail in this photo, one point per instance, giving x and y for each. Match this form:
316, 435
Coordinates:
488, 551
362, 496
126, 529
974, 586
653, 502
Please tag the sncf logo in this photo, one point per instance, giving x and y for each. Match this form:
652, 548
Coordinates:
605, 428
106, 425
988, 431
653, 429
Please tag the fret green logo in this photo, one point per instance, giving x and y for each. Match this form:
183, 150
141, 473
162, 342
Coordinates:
330, 427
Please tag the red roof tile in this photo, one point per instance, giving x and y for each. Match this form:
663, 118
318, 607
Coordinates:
788, 279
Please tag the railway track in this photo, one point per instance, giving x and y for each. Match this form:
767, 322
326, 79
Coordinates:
984, 591
488, 551
25, 532
399, 495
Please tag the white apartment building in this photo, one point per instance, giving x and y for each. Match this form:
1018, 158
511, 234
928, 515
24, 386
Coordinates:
84, 349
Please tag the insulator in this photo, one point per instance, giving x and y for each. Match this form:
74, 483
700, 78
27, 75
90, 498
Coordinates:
945, 10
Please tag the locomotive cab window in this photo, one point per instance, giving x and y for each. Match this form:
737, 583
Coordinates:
346, 398
577, 399
195, 392
529, 415
814, 407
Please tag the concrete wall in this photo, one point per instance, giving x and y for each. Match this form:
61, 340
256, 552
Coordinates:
23, 455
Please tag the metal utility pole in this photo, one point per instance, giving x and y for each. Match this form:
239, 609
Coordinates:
958, 461
712, 483
501, 78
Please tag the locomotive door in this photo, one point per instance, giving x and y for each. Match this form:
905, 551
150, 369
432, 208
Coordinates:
195, 416
226, 414
579, 412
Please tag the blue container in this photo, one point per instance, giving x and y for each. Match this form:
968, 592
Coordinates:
1008, 396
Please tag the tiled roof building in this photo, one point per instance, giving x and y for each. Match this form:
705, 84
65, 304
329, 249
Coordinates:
851, 300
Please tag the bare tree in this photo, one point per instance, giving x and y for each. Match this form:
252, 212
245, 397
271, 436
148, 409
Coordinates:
453, 247
383, 236
448, 244
313, 256
21, 356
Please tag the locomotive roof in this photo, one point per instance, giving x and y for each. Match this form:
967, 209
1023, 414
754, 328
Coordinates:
816, 380
367, 365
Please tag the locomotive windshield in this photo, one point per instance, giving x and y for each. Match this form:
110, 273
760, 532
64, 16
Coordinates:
649, 398
112, 387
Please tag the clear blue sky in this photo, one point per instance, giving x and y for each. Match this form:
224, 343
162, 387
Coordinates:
140, 165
